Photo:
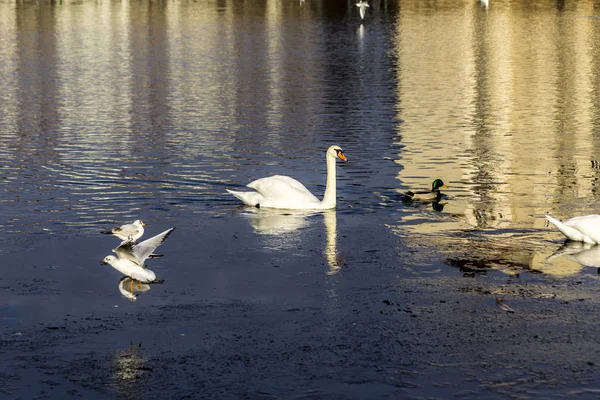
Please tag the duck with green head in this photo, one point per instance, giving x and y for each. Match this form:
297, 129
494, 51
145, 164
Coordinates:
427, 195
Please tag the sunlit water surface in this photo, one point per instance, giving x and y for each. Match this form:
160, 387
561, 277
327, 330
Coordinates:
111, 112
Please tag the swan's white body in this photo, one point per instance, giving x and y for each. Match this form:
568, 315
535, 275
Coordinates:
131, 258
362, 7
581, 229
287, 193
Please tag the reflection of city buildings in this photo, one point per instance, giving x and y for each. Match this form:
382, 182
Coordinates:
487, 89
9, 94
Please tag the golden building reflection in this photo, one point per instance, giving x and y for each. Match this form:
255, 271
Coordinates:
498, 105
500, 102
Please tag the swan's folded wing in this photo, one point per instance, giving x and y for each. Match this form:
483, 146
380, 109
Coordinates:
588, 225
280, 186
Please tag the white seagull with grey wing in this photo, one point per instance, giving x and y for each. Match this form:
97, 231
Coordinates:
131, 258
128, 232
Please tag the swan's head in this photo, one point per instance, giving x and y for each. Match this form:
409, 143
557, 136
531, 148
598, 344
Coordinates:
336, 152
438, 183
139, 222
108, 260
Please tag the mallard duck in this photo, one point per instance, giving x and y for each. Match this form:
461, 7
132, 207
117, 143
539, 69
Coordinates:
580, 229
287, 193
426, 195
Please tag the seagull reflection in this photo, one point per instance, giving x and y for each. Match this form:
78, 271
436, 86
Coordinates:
586, 254
128, 367
128, 287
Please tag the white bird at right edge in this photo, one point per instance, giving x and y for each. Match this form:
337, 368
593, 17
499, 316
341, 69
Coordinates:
362, 7
580, 229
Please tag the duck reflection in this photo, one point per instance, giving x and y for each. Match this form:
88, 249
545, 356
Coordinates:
128, 287
438, 206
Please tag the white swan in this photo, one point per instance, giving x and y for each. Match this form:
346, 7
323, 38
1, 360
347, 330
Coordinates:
581, 229
362, 7
287, 193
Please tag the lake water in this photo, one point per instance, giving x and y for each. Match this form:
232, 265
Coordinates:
116, 111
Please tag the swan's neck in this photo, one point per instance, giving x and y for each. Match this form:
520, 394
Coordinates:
330, 195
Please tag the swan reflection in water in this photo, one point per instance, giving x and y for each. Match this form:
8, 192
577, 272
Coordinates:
586, 254
274, 222
568, 260
284, 228
334, 261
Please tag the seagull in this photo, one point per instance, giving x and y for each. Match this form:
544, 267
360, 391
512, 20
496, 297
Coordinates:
131, 257
362, 7
128, 232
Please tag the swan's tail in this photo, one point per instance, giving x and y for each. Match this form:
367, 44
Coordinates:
248, 198
569, 232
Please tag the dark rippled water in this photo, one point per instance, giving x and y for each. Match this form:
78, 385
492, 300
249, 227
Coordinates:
111, 112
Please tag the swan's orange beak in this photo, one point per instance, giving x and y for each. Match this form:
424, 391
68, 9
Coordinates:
342, 156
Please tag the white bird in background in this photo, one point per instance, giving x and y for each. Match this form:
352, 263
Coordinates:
287, 193
485, 3
580, 229
131, 257
128, 232
362, 7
